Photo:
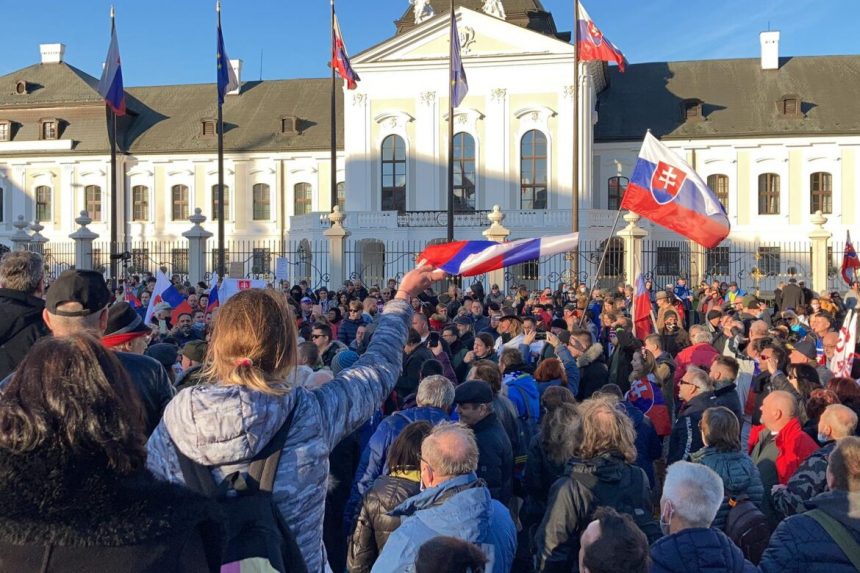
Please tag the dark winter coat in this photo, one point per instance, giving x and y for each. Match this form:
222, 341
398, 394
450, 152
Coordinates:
587, 484
809, 480
792, 297
374, 524
649, 446
698, 550
347, 329
21, 325
740, 478
593, 372
801, 545
191, 377
621, 361
727, 396
409, 378
495, 457
151, 380
59, 513
541, 472
686, 437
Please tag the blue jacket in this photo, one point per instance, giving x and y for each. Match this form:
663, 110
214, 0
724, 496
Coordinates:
698, 550
373, 458
347, 329
225, 426
522, 390
462, 508
649, 446
800, 544
570, 367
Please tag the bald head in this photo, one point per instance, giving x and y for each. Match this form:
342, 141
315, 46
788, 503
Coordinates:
829, 341
449, 451
778, 409
837, 422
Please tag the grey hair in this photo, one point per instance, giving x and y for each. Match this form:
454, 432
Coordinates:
842, 419
699, 334
435, 391
451, 449
700, 378
561, 433
696, 492
68, 325
21, 271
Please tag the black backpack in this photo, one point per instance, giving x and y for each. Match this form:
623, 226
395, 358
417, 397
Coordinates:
747, 527
257, 535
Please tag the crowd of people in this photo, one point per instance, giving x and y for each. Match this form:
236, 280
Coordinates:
399, 428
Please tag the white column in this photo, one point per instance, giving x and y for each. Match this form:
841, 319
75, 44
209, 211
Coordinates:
819, 236
632, 235
336, 236
358, 153
84, 238
20, 238
429, 194
564, 147
499, 234
197, 238
496, 186
586, 137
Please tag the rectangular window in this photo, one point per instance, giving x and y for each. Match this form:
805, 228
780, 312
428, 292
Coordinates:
821, 193
5, 131
261, 261
179, 261
769, 260
303, 198
718, 261
140, 203
262, 202
180, 203
668, 261
93, 201
49, 130
215, 202
768, 194
43, 203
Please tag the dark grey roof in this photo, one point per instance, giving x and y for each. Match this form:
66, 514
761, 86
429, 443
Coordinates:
170, 117
739, 98
525, 13
49, 84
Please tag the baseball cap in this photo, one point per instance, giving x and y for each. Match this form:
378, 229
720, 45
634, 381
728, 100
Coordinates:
473, 392
307, 299
122, 319
464, 320
805, 347
750, 301
195, 350
85, 287
714, 313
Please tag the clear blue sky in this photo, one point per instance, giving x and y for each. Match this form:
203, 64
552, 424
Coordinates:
173, 42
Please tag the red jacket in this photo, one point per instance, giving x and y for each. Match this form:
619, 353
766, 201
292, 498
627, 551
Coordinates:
701, 355
794, 447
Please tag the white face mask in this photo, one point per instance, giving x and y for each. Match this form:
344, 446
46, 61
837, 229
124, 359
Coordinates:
665, 523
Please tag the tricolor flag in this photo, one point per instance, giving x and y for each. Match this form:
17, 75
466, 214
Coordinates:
641, 309
214, 301
227, 80
850, 263
469, 258
591, 44
131, 298
666, 190
459, 83
647, 396
229, 287
340, 58
164, 291
110, 84
843, 360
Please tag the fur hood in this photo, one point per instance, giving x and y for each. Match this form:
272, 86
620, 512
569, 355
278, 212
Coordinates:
49, 497
594, 353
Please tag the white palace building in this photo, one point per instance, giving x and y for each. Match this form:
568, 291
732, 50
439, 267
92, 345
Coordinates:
777, 138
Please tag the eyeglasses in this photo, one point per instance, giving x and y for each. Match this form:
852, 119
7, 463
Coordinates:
315, 336
685, 383
354, 310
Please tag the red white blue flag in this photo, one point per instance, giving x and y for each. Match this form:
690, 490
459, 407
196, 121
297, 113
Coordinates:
340, 59
164, 291
110, 84
647, 396
666, 190
591, 44
850, 263
469, 258
641, 310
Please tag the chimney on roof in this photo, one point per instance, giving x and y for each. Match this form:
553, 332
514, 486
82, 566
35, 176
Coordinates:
52, 53
237, 69
769, 50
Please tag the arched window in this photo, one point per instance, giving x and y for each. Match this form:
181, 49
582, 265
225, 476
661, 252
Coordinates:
821, 192
393, 174
179, 211
93, 201
43, 203
464, 172
215, 202
719, 184
768, 194
615, 192
533, 172
341, 196
140, 203
303, 199
262, 202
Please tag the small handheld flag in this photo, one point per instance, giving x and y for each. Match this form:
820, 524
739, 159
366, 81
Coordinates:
591, 44
459, 83
850, 262
340, 58
110, 84
642, 310
227, 80
667, 191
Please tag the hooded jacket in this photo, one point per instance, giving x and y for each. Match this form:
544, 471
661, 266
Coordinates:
801, 545
809, 480
225, 426
740, 478
21, 325
460, 507
686, 437
593, 372
698, 550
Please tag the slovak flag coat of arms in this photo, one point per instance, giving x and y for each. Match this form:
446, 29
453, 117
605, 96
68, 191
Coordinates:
591, 44
667, 191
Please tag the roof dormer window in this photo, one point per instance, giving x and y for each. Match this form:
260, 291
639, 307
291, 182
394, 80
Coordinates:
49, 128
789, 105
691, 110
5, 130
289, 125
208, 127
21, 87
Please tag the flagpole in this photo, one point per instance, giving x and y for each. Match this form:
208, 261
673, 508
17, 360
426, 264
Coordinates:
333, 118
602, 260
221, 257
114, 218
450, 235
574, 206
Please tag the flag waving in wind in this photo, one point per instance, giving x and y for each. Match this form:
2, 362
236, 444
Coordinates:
227, 80
470, 258
666, 190
459, 83
591, 44
642, 310
850, 263
340, 58
110, 84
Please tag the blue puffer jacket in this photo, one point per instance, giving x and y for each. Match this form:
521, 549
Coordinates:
462, 508
739, 474
225, 426
522, 390
698, 550
800, 544
373, 458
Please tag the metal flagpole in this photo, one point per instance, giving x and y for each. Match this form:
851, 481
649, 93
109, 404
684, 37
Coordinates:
574, 204
333, 117
114, 217
451, 129
221, 247
602, 261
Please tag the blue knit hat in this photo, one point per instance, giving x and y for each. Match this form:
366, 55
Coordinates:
343, 360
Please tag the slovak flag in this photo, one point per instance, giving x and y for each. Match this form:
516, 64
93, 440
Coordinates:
131, 298
229, 287
642, 310
591, 44
214, 301
470, 258
850, 263
340, 59
164, 291
110, 84
666, 190
647, 396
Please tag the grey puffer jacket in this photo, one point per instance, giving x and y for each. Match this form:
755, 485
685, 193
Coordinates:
740, 478
225, 426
